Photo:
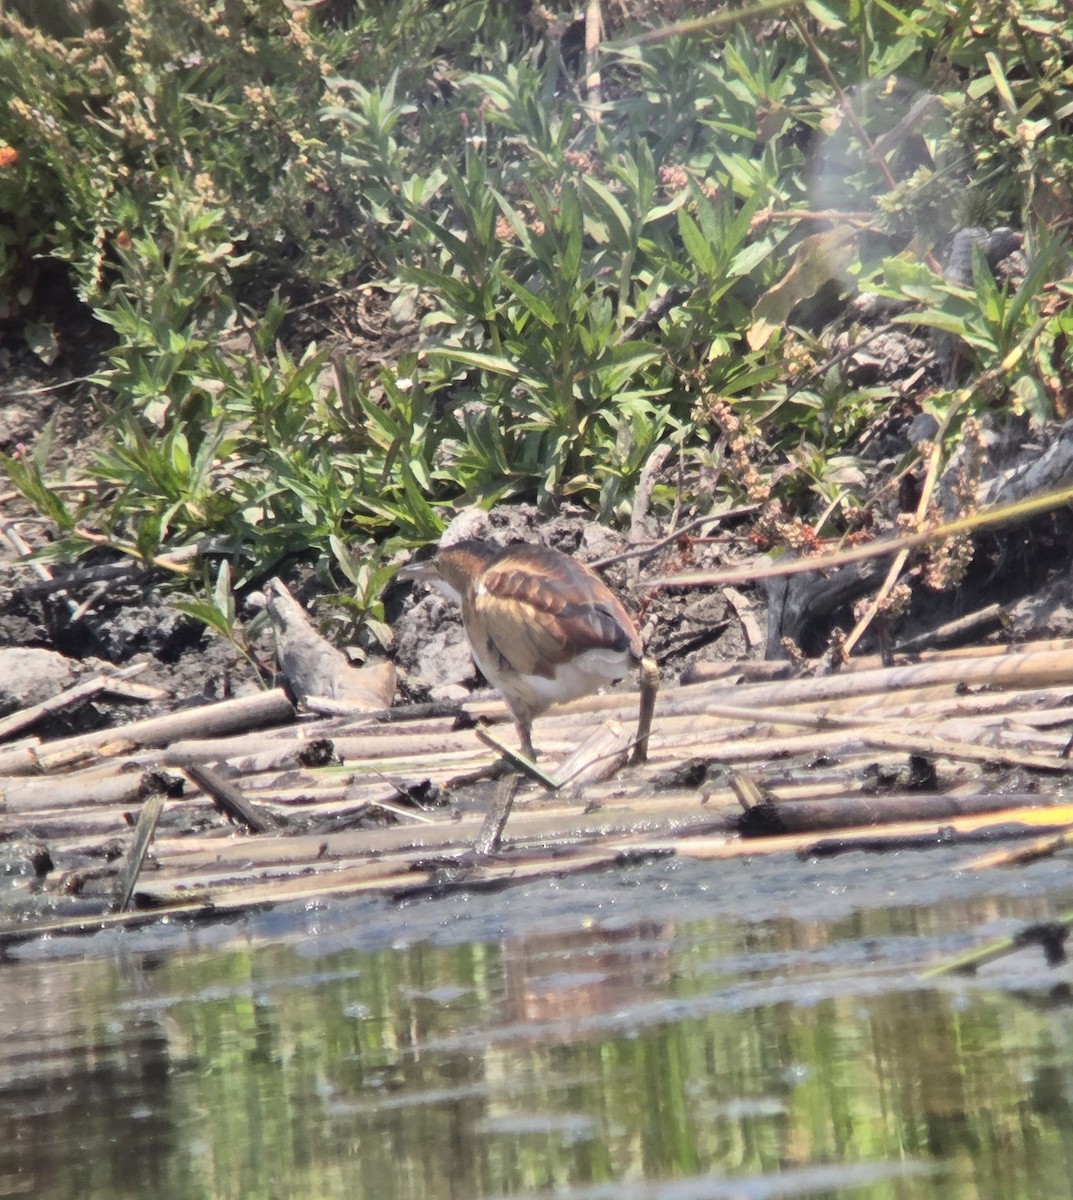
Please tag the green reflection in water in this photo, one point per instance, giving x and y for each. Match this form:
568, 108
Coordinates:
656, 1052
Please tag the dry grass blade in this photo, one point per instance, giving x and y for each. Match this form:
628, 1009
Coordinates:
706, 24
516, 759
143, 835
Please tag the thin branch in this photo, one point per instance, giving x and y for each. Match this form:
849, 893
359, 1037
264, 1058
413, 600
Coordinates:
990, 518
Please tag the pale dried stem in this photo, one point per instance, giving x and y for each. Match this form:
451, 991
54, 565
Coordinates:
226, 716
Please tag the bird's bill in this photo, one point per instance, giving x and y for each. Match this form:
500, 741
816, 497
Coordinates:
428, 572
419, 572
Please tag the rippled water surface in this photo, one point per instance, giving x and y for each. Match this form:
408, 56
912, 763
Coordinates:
675, 1031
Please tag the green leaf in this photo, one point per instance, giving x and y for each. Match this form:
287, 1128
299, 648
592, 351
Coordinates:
222, 595
1002, 86
533, 303
1029, 395
617, 218
987, 293
1048, 252
472, 358
828, 21
749, 258
208, 614
572, 226
696, 244
818, 258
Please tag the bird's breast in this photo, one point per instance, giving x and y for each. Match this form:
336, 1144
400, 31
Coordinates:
536, 689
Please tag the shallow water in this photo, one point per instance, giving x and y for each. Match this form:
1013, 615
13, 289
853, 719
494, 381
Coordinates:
674, 1031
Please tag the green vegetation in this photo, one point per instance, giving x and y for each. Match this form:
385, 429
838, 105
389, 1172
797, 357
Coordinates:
569, 277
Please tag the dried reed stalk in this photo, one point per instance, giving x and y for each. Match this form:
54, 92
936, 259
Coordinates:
226, 716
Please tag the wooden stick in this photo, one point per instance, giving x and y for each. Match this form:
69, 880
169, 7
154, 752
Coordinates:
283, 756
1012, 671
230, 801
766, 670
101, 825
942, 747
751, 796
931, 475
748, 671
488, 839
542, 826
593, 37
1017, 822
1041, 848
845, 812
225, 716
17, 721
971, 625
100, 786
1029, 669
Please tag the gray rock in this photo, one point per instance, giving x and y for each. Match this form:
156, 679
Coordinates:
430, 643
29, 675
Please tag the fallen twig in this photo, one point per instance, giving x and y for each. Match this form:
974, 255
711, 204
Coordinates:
226, 716
973, 624
487, 842
847, 812
230, 801
17, 721
20, 796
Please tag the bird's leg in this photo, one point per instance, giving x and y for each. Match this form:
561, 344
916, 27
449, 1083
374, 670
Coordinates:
646, 710
525, 732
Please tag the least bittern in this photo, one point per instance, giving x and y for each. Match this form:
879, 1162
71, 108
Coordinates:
543, 628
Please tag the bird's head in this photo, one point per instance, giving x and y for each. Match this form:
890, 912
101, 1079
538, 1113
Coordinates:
454, 568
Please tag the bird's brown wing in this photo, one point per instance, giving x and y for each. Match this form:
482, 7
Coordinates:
537, 609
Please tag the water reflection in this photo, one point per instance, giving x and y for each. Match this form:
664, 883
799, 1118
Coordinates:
658, 1057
